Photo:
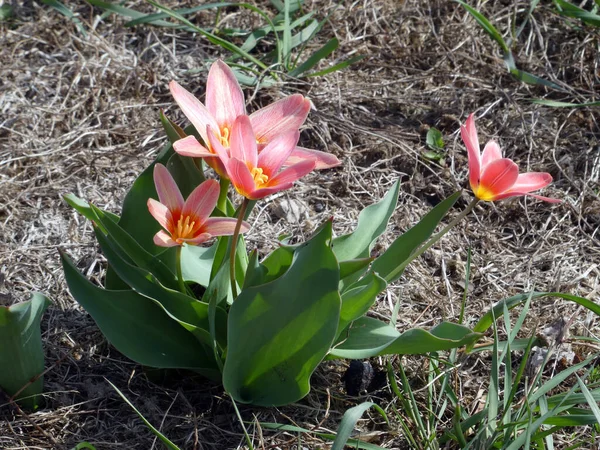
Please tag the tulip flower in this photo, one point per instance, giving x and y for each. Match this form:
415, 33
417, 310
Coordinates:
493, 177
187, 221
255, 175
224, 103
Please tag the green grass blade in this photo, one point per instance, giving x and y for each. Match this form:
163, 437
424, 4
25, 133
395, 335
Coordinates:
556, 104
568, 9
592, 402
487, 26
337, 67
314, 59
287, 35
152, 18
158, 434
62, 9
349, 420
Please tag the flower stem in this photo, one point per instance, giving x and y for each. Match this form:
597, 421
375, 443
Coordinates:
234, 241
438, 236
222, 202
179, 273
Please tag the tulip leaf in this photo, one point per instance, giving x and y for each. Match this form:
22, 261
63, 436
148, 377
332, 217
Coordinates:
390, 264
187, 311
359, 297
185, 172
372, 222
196, 263
278, 332
368, 337
352, 266
21, 352
84, 208
138, 327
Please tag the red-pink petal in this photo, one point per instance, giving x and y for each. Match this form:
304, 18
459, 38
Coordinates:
202, 201
287, 114
193, 109
240, 177
531, 181
292, 173
243, 142
518, 194
216, 146
161, 213
220, 226
323, 160
168, 192
276, 153
468, 133
491, 152
265, 192
200, 239
189, 146
163, 239
498, 177
224, 96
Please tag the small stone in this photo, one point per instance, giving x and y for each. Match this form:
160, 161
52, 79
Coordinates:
292, 211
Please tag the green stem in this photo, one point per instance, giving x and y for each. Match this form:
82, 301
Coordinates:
179, 273
438, 236
222, 202
234, 241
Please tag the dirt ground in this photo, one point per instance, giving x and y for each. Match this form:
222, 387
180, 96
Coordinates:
80, 114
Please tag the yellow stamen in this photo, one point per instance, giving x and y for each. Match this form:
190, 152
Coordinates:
224, 138
184, 228
259, 177
485, 194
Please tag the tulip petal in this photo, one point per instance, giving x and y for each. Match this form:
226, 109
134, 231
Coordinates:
168, 192
468, 133
323, 160
491, 152
240, 177
163, 239
518, 194
201, 238
243, 142
189, 146
292, 173
265, 192
282, 116
276, 153
498, 177
219, 226
202, 201
224, 96
216, 146
193, 109
531, 181
161, 213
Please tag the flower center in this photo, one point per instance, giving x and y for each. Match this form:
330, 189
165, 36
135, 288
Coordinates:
224, 138
260, 179
485, 194
184, 228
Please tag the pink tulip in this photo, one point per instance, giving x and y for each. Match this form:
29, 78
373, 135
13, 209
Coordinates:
187, 222
255, 175
224, 103
493, 177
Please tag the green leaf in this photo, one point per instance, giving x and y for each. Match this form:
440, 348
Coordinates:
487, 26
127, 12
84, 208
196, 263
190, 313
434, 139
359, 298
278, 332
6, 12
570, 10
157, 433
352, 266
138, 327
156, 19
530, 78
555, 104
21, 352
392, 262
322, 53
372, 222
368, 337
339, 66
58, 6
349, 420
591, 400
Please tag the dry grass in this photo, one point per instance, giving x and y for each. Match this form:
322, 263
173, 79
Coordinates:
81, 115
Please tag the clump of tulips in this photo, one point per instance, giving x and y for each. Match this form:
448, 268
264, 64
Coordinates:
182, 291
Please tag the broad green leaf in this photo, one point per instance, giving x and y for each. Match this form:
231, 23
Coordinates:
84, 446
278, 332
277, 262
196, 263
391, 263
372, 222
157, 433
352, 266
434, 140
359, 298
349, 420
187, 311
138, 327
21, 352
367, 337
84, 208
174, 132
